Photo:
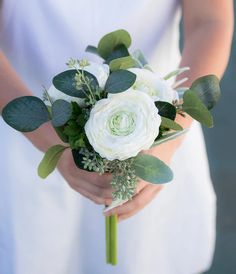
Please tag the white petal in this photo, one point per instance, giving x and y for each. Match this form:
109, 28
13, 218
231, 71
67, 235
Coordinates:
153, 85
111, 143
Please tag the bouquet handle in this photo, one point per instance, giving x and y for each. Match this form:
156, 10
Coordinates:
111, 239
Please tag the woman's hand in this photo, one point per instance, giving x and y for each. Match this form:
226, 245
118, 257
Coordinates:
90, 184
145, 191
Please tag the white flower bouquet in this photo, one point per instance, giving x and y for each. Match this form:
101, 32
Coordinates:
108, 114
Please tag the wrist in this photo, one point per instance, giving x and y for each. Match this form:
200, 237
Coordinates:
44, 137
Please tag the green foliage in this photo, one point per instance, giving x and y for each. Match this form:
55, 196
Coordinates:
123, 63
152, 169
124, 180
89, 160
92, 49
67, 82
82, 162
207, 89
168, 136
74, 129
166, 109
196, 109
175, 72
118, 52
50, 160
61, 134
120, 80
25, 113
138, 55
168, 123
111, 41
61, 112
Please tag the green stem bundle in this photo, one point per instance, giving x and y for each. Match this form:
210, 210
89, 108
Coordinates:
111, 239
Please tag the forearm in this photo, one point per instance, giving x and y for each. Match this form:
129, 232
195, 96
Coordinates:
206, 51
12, 87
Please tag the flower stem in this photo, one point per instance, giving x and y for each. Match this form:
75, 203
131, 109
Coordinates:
108, 239
111, 239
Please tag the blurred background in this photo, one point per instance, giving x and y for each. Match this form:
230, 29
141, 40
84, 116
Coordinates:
221, 150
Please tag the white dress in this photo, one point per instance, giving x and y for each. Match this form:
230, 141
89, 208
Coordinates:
46, 227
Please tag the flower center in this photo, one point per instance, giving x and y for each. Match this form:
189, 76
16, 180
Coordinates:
122, 123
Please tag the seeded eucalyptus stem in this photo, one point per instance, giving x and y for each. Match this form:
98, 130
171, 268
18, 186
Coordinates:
87, 85
72, 63
111, 240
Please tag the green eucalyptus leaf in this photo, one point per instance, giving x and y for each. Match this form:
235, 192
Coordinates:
92, 49
26, 113
78, 159
208, 90
61, 112
65, 82
176, 72
169, 136
50, 160
196, 109
120, 80
118, 52
168, 123
123, 63
152, 169
138, 55
110, 41
166, 109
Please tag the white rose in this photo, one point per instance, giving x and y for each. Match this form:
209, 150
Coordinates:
152, 84
119, 127
101, 72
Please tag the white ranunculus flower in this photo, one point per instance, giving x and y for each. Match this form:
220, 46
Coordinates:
100, 71
120, 126
152, 84
56, 94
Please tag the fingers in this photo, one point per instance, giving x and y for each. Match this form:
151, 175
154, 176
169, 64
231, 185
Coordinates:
138, 202
95, 193
103, 180
95, 199
90, 184
140, 185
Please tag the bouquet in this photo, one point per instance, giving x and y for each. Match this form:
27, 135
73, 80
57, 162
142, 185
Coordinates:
109, 113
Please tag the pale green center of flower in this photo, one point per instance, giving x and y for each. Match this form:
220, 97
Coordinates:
122, 123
